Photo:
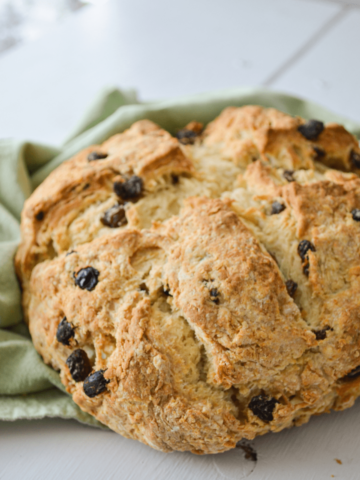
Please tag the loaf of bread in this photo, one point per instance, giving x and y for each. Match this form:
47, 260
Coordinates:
200, 289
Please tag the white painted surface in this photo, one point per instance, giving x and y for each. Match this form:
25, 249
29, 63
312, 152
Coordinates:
329, 73
61, 450
162, 48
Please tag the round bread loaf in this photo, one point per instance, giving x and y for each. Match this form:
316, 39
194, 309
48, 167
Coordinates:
194, 291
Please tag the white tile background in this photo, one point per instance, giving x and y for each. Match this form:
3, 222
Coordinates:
56, 449
329, 72
165, 49
309, 48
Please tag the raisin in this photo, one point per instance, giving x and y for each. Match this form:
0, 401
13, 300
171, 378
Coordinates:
289, 175
114, 217
306, 268
277, 208
186, 137
263, 407
174, 179
95, 384
355, 159
319, 153
311, 129
130, 189
213, 294
87, 278
167, 292
39, 216
356, 214
248, 449
303, 247
321, 334
64, 332
143, 288
291, 287
79, 365
71, 252
96, 156
353, 374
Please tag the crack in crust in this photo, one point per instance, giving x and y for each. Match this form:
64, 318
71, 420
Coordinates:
191, 318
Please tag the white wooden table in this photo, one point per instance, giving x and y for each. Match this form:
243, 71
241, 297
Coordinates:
164, 49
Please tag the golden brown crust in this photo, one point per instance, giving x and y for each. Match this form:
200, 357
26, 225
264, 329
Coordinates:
320, 212
254, 317
193, 319
144, 150
249, 133
144, 352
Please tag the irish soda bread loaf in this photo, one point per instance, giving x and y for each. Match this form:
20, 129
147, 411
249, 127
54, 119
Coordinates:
197, 290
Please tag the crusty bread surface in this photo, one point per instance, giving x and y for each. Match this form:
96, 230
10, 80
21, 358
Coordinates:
200, 289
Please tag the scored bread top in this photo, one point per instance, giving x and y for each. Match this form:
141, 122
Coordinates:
221, 277
144, 150
255, 132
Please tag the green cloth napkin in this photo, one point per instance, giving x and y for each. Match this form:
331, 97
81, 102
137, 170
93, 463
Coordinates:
29, 388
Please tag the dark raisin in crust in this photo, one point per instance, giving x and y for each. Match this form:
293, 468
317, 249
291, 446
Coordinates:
174, 179
186, 137
303, 247
321, 334
64, 332
131, 189
39, 216
214, 293
355, 159
167, 292
319, 153
355, 373
289, 175
87, 278
79, 365
114, 217
306, 267
311, 129
263, 407
291, 287
96, 156
71, 252
143, 288
95, 384
277, 208
356, 214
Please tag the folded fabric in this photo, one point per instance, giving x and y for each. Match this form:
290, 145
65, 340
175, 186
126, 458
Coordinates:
28, 387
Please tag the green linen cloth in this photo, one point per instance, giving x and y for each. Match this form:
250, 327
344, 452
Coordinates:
28, 387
